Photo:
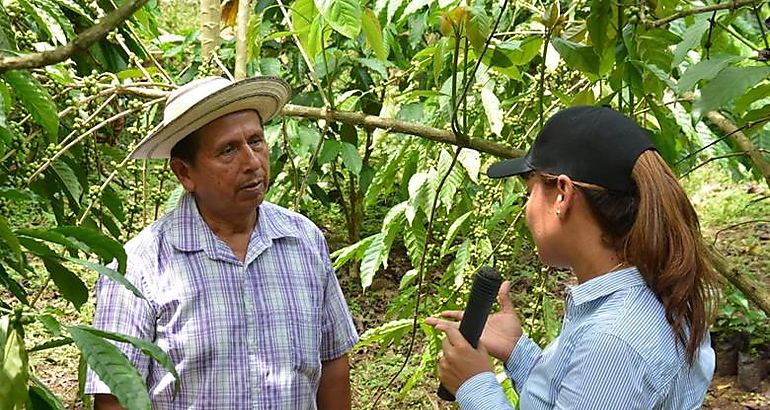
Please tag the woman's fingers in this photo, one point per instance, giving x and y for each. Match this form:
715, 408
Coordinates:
503, 298
453, 314
441, 324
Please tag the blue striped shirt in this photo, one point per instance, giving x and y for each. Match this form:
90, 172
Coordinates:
615, 351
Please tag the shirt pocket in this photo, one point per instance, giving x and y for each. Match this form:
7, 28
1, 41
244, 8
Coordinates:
304, 328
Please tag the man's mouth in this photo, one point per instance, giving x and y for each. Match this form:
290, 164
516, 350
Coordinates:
256, 186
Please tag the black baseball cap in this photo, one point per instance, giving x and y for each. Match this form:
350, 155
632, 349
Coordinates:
593, 144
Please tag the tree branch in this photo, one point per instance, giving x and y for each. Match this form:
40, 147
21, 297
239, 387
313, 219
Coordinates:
371, 121
81, 42
743, 142
697, 10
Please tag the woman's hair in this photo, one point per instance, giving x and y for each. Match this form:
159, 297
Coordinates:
657, 229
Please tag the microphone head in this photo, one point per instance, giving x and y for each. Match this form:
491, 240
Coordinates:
489, 273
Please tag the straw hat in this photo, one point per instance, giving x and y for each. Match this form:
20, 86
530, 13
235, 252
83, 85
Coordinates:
201, 101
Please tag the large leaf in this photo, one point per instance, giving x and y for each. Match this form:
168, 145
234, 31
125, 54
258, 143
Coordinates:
374, 255
477, 27
36, 100
303, 12
147, 347
690, 41
577, 56
14, 370
113, 368
13, 286
414, 239
490, 102
453, 231
704, 70
110, 273
344, 16
104, 246
68, 180
373, 34
41, 397
351, 158
10, 240
598, 23
46, 20
728, 84
70, 285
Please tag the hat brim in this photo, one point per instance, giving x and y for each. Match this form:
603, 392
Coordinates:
266, 95
510, 167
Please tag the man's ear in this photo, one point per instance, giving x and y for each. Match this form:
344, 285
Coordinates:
182, 171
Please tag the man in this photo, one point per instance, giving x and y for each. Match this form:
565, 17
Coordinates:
240, 292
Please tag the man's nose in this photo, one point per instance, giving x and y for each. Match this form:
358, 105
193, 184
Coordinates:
251, 158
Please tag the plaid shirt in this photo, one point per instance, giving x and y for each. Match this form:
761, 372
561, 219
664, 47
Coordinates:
241, 335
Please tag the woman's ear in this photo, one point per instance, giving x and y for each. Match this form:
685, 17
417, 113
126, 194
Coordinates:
565, 192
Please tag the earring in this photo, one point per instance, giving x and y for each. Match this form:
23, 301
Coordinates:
559, 198
558, 211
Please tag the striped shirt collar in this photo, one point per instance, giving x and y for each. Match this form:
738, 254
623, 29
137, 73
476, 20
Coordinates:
190, 232
606, 284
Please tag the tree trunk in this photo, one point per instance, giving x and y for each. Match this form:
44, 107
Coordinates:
742, 141
209, 15
241, 38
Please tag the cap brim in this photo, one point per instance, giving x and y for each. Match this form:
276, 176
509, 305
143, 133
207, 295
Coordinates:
266, 95
509, 167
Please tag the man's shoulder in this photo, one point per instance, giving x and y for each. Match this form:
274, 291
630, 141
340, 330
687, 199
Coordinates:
289, 221
152, 235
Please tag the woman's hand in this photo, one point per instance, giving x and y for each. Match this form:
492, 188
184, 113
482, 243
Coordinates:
502, 330
458, 360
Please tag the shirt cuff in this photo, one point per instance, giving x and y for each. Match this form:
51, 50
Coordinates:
482, 392
523, 357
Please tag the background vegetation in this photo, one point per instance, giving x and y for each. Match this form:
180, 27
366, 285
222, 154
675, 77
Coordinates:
398, 108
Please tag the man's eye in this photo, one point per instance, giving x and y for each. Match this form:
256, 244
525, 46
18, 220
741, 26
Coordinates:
229, 149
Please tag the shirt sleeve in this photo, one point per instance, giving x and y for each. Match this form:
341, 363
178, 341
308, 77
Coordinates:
606, 372
119, 310
338, 333
482, 391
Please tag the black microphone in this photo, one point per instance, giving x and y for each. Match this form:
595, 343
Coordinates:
485, 286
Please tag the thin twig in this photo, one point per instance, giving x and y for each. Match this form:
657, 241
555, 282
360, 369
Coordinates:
697, 10
739, 224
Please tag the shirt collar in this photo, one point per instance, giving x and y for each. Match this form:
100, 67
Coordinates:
191, 233
606, 284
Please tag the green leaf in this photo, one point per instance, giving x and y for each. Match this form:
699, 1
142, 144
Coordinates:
51, 324
113, 368
477, 27
383, 334
407, 279
112, 201
452, 232
414, 239
704, 70
74, 6
110, 273
577, 56
104, 246
490, 102
344, 16
598, 23
15, 367
68, 180
471, 160
373, 34
315, 39
41, 397
303, 13
329, 151
36, 100
462, 257
149, 348
374, 255
70, 285
356, 250
728, 84
51, 344
11, 241
351, 158
13, 286
690, 41
46, 20
745, 101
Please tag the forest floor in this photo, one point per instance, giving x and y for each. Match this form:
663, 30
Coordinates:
732, 215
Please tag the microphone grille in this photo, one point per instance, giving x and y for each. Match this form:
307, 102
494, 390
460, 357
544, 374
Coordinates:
489, 273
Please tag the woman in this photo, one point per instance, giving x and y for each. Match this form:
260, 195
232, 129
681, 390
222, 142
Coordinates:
603, 203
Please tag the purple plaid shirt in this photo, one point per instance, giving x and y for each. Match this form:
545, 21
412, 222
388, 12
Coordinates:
241, 335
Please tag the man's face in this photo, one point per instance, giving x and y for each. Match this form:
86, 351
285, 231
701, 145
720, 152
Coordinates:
232, 165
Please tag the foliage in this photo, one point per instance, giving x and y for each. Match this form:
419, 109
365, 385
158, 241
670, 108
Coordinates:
485, 69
